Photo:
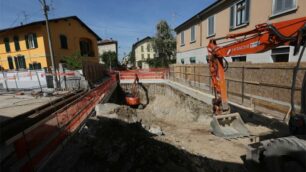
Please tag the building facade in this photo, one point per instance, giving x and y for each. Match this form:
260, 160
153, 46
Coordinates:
143, 50
107, 46
233, 16
26, 46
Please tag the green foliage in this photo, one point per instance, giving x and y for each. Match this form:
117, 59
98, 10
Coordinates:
164, 44
110, 58
73, 62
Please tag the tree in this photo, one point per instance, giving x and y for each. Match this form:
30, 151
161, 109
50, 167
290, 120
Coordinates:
73, 62
110, 58
164, 44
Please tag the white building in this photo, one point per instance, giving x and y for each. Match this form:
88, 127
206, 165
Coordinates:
143, 50
107, 45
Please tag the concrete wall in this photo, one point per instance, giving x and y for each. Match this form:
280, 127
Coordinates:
260, 12
30, 80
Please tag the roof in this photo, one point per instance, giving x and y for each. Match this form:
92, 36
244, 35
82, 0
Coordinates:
53, 20
107, 41
198, 15
142, 40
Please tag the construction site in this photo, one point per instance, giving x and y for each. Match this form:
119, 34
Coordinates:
96, 130
217, 116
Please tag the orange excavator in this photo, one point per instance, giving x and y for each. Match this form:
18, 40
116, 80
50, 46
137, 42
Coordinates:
132, 99
264, 37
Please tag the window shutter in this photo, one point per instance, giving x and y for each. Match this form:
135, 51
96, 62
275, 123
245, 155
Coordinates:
247, 12
16, 42
35, 40
232, 15
7, 45
26, 40
31, 66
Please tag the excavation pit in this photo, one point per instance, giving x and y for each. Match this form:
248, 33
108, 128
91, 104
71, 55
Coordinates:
171, 133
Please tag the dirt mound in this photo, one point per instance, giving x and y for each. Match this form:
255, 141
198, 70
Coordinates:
110, 110
179, 109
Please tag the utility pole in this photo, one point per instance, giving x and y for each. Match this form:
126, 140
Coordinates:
46, 9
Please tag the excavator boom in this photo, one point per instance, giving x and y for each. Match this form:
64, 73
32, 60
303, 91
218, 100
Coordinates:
264, 37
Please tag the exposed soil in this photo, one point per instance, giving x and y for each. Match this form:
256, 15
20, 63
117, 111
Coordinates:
119, 138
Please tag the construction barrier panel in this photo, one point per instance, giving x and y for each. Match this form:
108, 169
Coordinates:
35, 145
152, 73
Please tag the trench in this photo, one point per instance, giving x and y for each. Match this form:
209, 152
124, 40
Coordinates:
170, 133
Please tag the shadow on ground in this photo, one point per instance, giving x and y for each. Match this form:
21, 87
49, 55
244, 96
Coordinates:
113, 145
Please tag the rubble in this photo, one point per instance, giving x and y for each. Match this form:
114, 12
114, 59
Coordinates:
155, 129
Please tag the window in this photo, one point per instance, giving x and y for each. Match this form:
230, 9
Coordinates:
142, 56
34, 66
16, 42
240, 13
182, 38
148, 47
86, 48
142, 48
182, 61
192, 36
281, 6
149, 56
10, 62
211, 26
239, 59
192, 60
20, 62
64, 43
31, 41
7, 44
280, 54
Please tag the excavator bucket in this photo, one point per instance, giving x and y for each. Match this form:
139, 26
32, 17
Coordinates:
229, 126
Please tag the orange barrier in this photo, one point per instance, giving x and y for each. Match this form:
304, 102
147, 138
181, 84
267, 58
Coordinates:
33, 146
154, 73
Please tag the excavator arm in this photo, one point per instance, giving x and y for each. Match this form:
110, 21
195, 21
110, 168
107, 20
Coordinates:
264, 37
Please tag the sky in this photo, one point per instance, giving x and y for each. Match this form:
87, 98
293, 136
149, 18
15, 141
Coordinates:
121, 20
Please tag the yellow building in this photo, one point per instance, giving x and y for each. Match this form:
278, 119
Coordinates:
26, 46
143, 50
233, 16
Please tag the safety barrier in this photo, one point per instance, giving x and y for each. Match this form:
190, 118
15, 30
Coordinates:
33, 146
155, 73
